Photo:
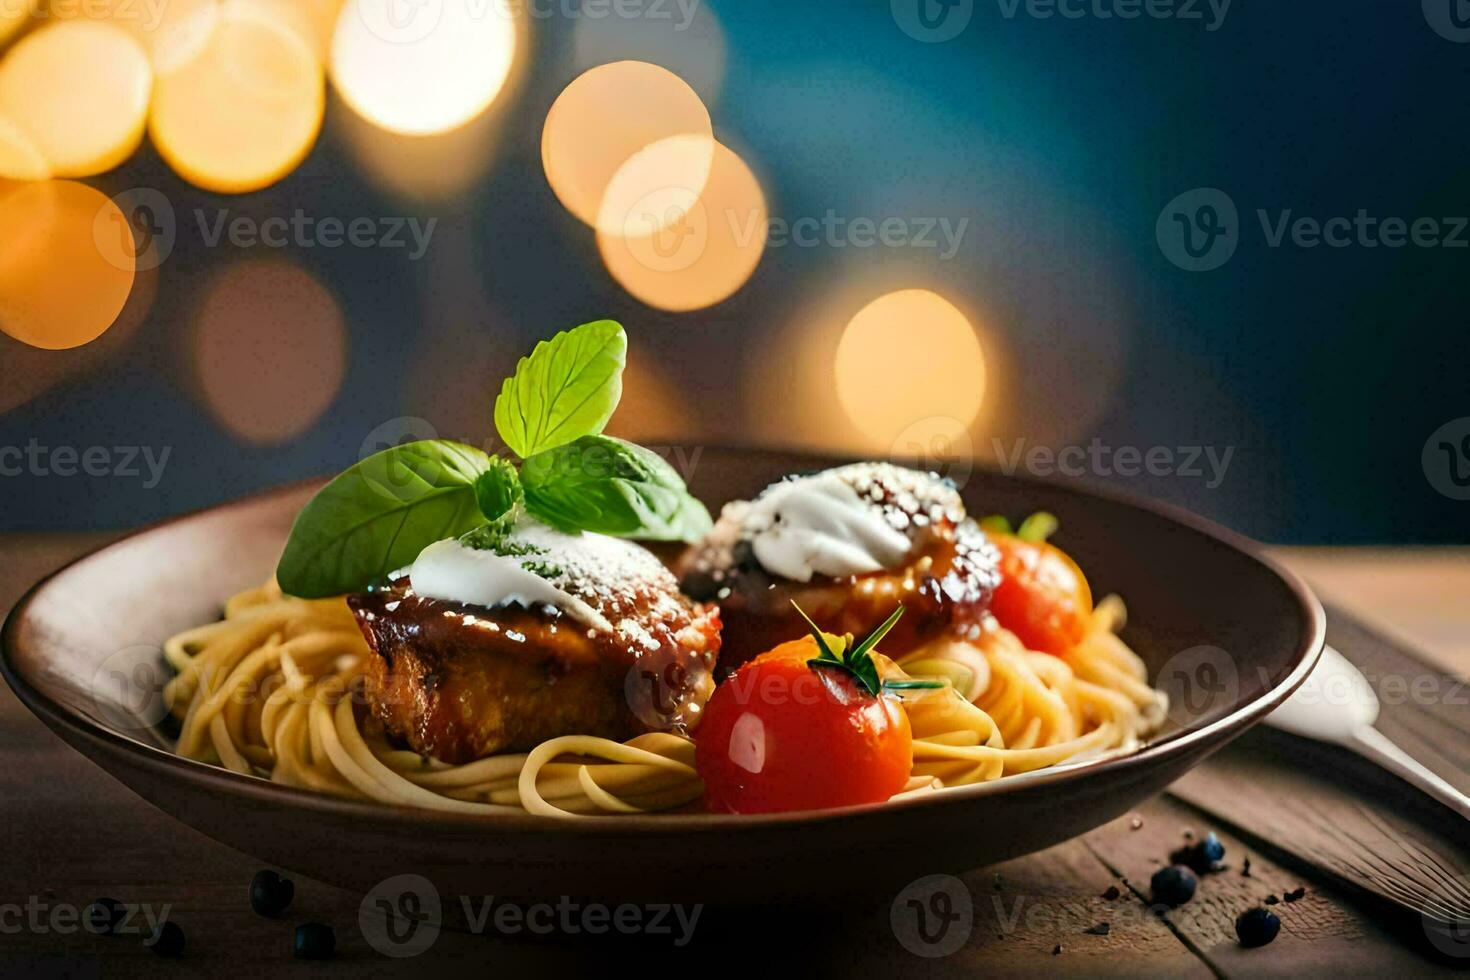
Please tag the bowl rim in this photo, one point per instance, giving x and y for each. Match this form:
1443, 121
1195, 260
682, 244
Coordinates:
205, 776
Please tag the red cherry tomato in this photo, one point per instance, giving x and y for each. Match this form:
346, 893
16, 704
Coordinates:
1043, 597
780, 735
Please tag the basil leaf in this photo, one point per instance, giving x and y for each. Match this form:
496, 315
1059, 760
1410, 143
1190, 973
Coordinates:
377, 516
566, 389
602, 484
498, 490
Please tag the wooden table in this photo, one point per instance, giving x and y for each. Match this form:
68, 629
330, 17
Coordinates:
72, 834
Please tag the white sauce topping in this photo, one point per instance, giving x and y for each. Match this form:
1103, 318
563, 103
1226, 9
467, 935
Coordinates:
819, 525
453, 572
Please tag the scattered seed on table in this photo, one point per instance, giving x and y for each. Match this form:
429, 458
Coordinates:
1245, 871
1135, 823
1272, 900
314, 941
1296, 895
1173, 885
270, 894
1056, 950
1111, 893
1101, 929
1256, 927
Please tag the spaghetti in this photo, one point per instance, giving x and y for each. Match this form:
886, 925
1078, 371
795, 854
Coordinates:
274, 689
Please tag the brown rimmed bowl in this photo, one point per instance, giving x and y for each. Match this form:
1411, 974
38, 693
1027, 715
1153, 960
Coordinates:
1226, 631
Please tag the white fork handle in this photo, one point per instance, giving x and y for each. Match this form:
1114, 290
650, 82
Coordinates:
1372, 744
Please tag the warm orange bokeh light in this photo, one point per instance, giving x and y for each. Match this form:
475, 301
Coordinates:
80, 91
910, 369
422, 68
13, 16
270, 350
313, 20
691, 258
244, 110
604, 117
437, 167
169, 31
61, 284
20, 158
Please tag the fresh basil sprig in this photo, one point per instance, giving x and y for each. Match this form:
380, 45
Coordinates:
378, 515
566, 389
599, 483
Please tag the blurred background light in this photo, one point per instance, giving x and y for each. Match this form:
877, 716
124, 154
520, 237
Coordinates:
169, 31
689, 41
694, 258
430, 71
269, 350
313, 20
14, 15
245, 109
605, 117
20, 157
436, 167
61, 284
909, 364
80, 91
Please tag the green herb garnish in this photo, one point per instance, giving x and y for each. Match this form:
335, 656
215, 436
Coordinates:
839, 653
1038, 527
378, 515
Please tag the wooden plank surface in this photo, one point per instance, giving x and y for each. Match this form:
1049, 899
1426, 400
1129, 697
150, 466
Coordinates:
72, 834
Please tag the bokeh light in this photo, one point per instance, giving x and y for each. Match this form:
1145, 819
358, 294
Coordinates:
438, 167
314, 21
910, 365
689, 42
20, 158
13, 16
430, 71
691, 258
61, 285
170, 32
80, 91
605, 117
269, 350
244, 110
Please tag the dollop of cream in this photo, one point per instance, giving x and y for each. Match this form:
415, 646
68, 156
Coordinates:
454, 572
820, 525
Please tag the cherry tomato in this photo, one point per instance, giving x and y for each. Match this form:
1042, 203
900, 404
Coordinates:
1043, 596
781, 735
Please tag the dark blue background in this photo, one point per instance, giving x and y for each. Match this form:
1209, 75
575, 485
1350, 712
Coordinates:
1060, 140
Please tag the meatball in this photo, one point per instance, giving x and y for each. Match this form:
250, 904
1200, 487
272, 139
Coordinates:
885, 536
458, 681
